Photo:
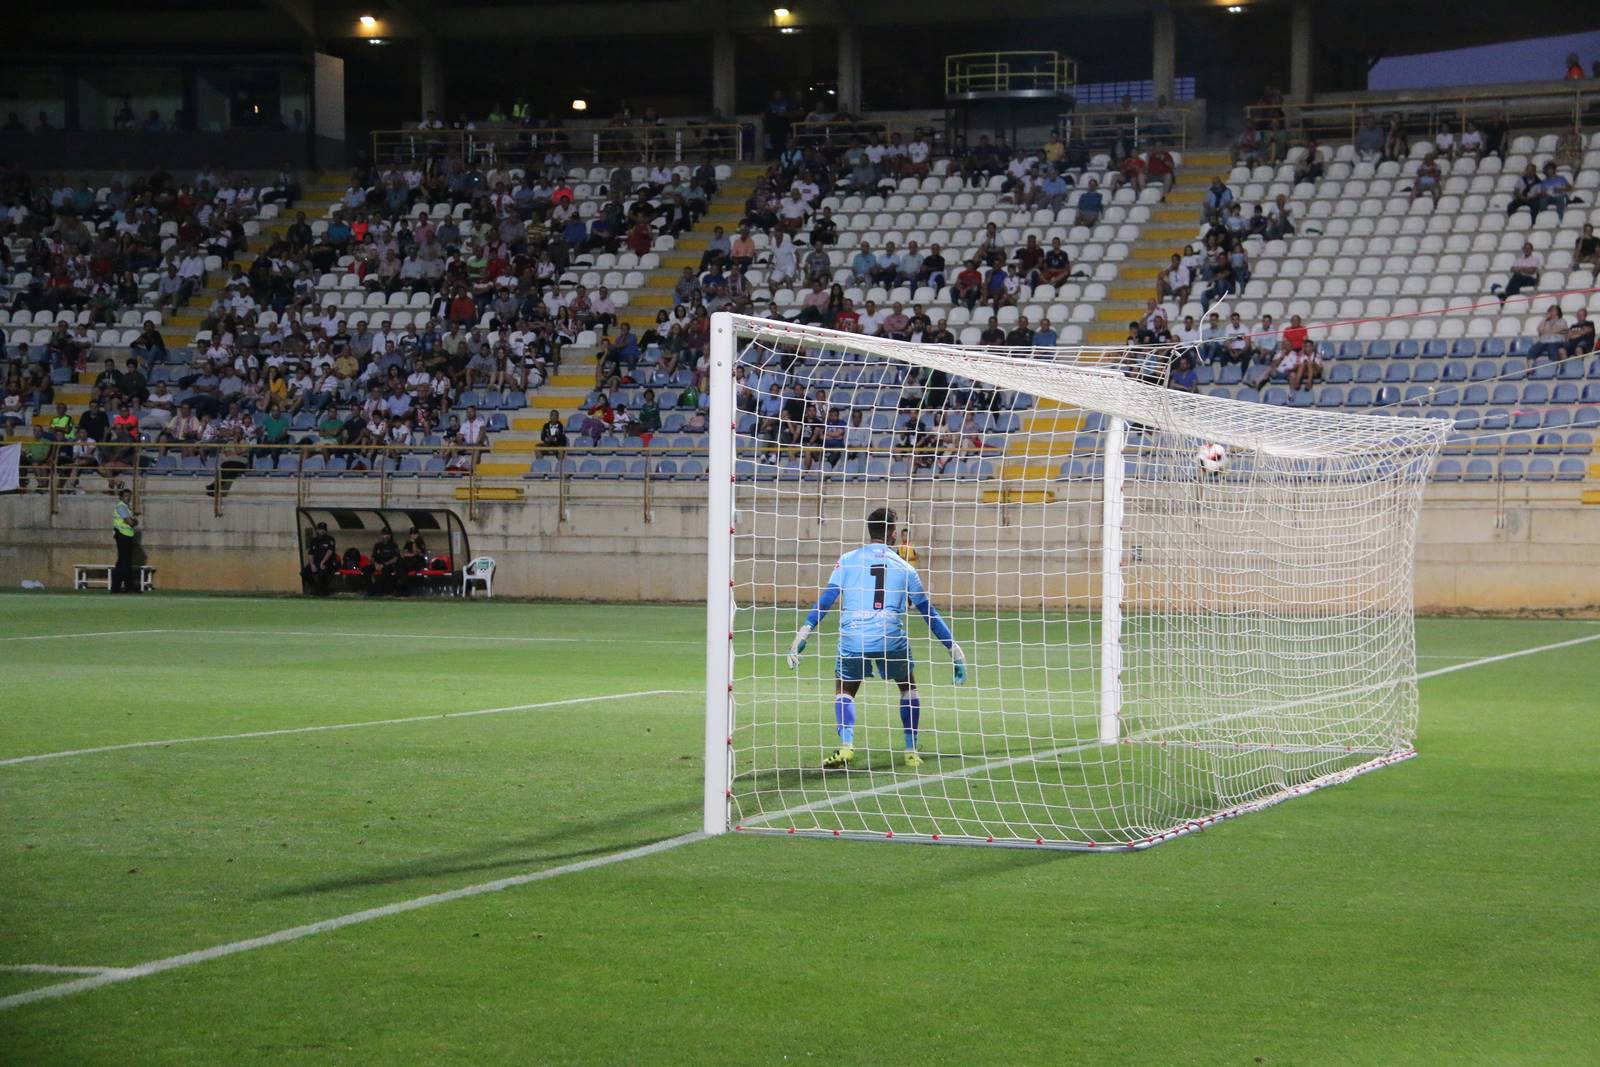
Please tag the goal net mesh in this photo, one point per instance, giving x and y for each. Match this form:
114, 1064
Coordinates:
1257, 641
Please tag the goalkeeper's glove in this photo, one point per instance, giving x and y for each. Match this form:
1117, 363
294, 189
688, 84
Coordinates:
797, 646
959, 661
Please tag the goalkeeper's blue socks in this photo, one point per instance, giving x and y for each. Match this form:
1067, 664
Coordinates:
844, 714
910, 716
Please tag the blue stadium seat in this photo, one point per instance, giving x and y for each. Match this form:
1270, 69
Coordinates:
1557, 418
1380, 350
1570, 370
1446, 396
1387, 396
1544, 372
433, 465
1517, 444
1565, 393
1454, 372
1447, 470
1591, 393
1520, 346
1579, 443
1330, 396
1571, 470
1541, 470
1495, 419
1466, 419
1435, 349
1425, 372
498, 423
1230, 375
1416, 394
1464, 346
1475, 395
263, 462
1535, 393
1492, 346
1350, 350
1478, 470
1369, 373
1221, 392
615, 468
1275, 394
1550, 442
635, 469
1485, 369
1301, 398
1505, 395
1340, 374
1397, 373
1407, 349
1511, 470
1359, 396
593, 468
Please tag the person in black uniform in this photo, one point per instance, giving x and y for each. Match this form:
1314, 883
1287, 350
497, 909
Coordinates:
413, 560
322, 562
385, 565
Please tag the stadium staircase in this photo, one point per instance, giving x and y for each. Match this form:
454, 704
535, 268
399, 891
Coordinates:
1033, 457
566, 391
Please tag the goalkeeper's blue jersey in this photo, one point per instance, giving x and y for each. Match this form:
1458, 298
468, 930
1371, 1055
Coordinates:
876, 586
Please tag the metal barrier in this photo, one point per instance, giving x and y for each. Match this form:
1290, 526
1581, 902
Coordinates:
841, 133
1429, 112
1131, 129
974, 75
508, 145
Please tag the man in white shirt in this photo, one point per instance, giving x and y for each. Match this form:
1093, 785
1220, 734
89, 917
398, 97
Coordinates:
917, 153
1525, 271
792, 212
473, 427
1238, 340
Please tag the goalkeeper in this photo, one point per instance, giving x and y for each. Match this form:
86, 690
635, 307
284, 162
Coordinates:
876, 585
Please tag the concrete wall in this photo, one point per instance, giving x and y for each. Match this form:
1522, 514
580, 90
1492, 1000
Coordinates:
1481, 547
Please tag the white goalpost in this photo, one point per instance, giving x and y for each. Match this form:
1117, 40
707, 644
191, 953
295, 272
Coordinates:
1173, 608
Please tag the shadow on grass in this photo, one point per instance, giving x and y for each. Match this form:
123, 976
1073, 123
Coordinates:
523, 853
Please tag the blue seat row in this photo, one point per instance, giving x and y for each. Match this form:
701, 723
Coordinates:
1509, 470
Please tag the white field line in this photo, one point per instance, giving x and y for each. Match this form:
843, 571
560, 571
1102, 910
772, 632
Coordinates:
533, 639
838, 799
295, 933
37, 757
50, 968
97, 633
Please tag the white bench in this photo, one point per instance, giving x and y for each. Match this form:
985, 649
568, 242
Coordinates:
98, 576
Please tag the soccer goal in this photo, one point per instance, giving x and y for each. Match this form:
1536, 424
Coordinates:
1171, 608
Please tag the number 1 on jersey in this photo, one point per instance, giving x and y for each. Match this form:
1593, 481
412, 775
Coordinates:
880, 574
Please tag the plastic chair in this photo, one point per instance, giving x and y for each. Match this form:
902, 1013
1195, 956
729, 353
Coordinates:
481, 572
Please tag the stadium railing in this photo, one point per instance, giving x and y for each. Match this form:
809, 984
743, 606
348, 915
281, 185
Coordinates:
1135, 129
841, 133
579, 144
1432, 110
977, 74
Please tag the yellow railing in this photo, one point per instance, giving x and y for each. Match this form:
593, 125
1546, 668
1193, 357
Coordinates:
1428, 112
1008, 72
514, 145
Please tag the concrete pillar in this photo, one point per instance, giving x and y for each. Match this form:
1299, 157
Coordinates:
1164, 54
432, 77
1300, 51
723, 72
849, 76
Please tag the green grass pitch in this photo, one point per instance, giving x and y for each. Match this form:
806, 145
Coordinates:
1438, 912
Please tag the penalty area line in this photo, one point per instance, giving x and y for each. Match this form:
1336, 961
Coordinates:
250, 734
295, 933
839, 799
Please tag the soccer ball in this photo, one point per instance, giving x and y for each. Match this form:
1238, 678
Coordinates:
1213, 458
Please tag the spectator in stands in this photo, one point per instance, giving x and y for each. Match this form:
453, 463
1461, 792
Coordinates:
1429, 179
1369, 140
1395, 145
1237, 347
1298, 359
1175, 281
1586, 250
1161, 168
1130, 171
1526, 192
1574, 67
1580, 336
1280, 223
1216, 202
1525, 271
1551, 334
1184, 377
1056, 265
968, 287
1554, 190
1090, 204
1020, 335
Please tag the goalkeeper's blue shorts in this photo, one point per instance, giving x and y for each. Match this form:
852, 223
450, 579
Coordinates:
891, 664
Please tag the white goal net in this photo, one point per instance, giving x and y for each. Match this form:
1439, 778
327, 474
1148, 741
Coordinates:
1157, 632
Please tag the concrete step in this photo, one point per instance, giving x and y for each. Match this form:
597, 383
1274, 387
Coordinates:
1041, 447
1031, 471
1052, 422
1185, 194
488, 468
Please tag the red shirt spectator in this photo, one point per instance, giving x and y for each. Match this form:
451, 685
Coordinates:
463, 309
1161, 166
639, 239
1132, 167
1295, 338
